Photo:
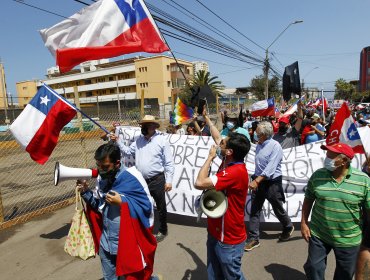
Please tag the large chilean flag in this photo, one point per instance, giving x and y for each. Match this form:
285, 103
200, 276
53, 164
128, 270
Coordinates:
107, 28
37, 128
344, 130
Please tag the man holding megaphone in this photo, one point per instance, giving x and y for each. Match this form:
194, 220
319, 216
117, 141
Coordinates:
226, 234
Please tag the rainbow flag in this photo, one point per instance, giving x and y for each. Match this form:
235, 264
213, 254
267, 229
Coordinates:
181, 113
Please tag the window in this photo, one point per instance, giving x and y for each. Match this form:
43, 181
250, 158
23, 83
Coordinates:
24, 88
111, 90
168, 68
146, 85
168, 83
111, 79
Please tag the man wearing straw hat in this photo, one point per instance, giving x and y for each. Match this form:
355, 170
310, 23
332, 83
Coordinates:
153, 158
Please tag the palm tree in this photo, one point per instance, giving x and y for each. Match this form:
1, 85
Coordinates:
200, 79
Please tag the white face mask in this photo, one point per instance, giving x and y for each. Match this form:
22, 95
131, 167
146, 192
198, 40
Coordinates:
329, 164
230, 125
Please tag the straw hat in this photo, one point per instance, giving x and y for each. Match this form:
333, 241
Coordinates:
149, 119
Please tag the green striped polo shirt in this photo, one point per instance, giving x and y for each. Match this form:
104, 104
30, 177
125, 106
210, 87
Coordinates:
336, 213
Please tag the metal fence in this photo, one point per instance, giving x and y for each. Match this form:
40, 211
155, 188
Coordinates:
27, 188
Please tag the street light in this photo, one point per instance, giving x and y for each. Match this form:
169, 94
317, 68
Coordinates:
267, 64
308, 73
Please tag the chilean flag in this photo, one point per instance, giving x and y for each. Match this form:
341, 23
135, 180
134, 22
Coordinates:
344, 130
37, 128
107, 28
263, 108
136, 243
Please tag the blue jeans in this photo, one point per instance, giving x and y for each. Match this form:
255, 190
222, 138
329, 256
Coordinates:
224, 260
108, 264
317, 257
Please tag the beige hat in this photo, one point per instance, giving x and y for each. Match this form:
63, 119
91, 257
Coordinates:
315, 116
149, 119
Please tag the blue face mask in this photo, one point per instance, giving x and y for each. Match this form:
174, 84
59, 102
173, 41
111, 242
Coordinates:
218, 152
230, 125
329, 164
255, 136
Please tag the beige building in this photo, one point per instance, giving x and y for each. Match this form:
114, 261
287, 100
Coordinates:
101, 81
3, 94
25, 91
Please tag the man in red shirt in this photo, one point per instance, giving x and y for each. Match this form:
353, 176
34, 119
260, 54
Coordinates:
226, 235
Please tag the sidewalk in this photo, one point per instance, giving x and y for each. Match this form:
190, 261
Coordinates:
35, 251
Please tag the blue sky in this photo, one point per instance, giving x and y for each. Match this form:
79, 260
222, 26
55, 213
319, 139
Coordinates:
330, 38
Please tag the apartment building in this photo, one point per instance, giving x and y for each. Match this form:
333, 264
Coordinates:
157, 77
200, 65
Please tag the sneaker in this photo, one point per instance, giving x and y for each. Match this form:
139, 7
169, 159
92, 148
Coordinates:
286, 234
250, 245
160, 236
157, 277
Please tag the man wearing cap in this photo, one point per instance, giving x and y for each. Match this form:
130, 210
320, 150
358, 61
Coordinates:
232, 125
288, 136
154, 160
336, 194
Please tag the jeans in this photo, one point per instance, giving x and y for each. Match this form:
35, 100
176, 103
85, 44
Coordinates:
272, 191
317, 257
156, 189
108, 263
224, 260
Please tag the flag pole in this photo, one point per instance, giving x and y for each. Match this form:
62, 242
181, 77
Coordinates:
322, 101
77, 109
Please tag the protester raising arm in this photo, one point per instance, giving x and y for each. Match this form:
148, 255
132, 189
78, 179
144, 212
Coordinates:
216, 135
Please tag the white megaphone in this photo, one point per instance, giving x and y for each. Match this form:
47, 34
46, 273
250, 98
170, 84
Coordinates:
63, 173
213, 203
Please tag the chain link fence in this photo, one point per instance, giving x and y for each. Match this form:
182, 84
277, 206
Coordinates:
27, 188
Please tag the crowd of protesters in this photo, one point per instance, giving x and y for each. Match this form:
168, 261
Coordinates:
332, 227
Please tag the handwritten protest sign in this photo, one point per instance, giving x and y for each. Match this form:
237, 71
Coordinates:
190, 153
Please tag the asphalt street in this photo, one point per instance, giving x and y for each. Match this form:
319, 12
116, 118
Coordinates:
35, 251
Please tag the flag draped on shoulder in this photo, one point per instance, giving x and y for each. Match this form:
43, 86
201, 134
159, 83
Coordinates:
263, 108
136, 243
107, 28
344, 130
37, 128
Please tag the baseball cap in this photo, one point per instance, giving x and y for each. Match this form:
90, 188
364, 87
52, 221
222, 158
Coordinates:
284, 120
340, 148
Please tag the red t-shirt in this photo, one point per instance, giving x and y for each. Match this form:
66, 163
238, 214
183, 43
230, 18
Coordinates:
230, 228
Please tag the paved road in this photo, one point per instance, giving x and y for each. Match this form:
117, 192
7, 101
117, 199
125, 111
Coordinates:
35, 251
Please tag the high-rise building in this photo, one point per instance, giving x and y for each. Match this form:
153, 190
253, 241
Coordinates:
365, 69
3, 94
157, 77
200, 65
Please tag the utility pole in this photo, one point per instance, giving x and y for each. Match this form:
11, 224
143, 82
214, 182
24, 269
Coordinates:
267, 62
118, 100
3, 88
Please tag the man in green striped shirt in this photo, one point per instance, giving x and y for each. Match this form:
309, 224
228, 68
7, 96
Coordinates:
338, 193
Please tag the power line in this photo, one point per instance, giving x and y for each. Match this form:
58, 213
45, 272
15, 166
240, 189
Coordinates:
250, 40
38, 8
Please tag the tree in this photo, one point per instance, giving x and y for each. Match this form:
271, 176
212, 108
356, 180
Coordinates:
200, 79
344, 90
257, 85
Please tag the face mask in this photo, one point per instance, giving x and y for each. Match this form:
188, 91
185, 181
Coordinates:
230, 125
218, 152
144, 130
107, 174
255, 136
329, 164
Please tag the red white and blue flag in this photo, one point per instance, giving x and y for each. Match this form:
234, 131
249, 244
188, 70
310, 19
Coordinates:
107, 28
136, 243
344, 130
37, 128
263, 108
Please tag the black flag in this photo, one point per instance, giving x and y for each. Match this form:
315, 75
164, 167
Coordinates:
204, 92
291, 81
